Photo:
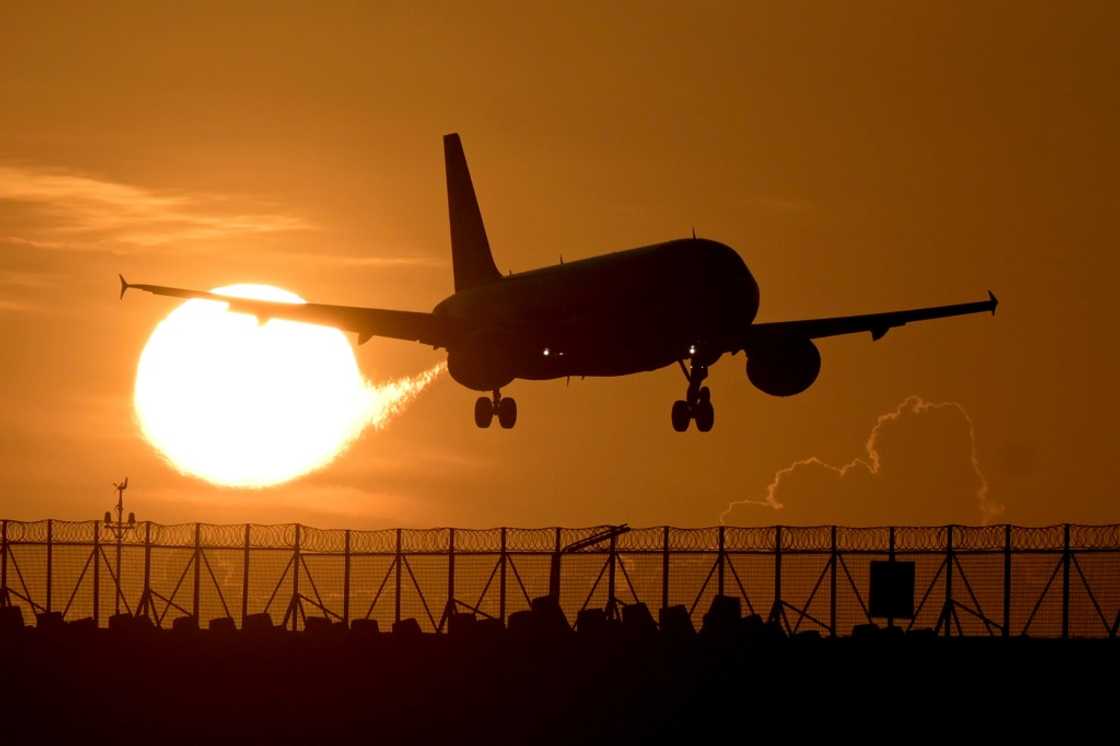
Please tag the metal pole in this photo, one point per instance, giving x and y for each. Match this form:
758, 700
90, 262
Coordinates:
947, 611
147, 594
96, 572
346, 581
1007, 580
245, 579
832, 586
890, 557
665, 568
197, 573
1066, 555
295, 604
502, 579
610, 577
4, 563
775, 612
720, 558
397, 595
50, 559
117, 595
450, 575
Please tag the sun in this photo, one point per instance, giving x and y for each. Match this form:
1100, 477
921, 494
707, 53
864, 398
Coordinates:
245, 404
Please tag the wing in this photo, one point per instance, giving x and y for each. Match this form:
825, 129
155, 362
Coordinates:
877, 324
414, 326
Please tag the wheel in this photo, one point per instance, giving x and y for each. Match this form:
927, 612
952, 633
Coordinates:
705, 393
681, 416
507, 413
483, 412
705, 416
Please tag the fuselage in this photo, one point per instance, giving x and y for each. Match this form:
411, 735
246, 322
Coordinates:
609, 315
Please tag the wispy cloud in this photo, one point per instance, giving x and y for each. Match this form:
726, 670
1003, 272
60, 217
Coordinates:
8, 305
80, 212
374, 262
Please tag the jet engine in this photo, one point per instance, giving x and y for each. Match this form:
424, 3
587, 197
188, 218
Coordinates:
784, 368
485, 363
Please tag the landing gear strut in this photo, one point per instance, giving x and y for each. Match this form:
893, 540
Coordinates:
505, 408
697, 404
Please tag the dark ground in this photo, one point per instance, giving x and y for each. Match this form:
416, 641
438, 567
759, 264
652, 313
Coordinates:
619, 685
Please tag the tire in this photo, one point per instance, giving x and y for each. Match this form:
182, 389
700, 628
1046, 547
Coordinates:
705, 394
507, 413
681, 416
483, 412
705, 416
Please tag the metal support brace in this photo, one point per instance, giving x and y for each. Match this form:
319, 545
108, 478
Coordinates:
502, 579
1007, 580
346, 580
665, 568
196, 597
1066, 555
397, 594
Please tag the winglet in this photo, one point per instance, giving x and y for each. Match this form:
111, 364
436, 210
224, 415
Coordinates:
124, 285
994, 301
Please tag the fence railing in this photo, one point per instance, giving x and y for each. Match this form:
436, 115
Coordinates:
1055, 581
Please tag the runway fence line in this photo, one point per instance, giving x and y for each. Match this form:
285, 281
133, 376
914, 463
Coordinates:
1001, 580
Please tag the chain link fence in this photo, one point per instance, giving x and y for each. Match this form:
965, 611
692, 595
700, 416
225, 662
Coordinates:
1055, 581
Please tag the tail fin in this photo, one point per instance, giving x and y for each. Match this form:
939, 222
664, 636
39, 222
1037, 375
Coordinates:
470, 251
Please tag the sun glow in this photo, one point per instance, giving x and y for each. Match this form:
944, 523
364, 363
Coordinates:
245, 404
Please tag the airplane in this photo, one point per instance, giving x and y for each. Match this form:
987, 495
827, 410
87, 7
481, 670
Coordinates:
686, 302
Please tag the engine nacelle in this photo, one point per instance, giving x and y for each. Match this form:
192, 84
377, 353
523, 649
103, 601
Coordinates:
784, 369
485, 363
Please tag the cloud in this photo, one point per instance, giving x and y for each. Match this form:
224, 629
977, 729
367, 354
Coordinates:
920, 466
78, 212
374, 262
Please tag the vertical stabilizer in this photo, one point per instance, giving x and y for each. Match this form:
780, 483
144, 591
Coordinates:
470, 251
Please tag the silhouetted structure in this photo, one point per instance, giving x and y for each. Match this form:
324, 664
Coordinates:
686, 302
1058, 581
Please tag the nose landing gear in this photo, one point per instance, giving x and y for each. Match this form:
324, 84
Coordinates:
697, 404
505, 408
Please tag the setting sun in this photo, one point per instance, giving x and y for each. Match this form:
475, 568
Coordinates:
248, 404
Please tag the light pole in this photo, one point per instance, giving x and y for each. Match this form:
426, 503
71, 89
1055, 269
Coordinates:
118, 529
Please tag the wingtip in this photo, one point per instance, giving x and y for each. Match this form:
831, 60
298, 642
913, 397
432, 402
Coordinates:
124, 286
993, 300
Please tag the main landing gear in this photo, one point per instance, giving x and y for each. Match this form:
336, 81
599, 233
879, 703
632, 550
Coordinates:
697, 404
485, 409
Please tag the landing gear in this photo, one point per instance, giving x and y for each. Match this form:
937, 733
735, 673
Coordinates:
697, 404
505, 408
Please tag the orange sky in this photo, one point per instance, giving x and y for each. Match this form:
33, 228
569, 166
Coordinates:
859, 158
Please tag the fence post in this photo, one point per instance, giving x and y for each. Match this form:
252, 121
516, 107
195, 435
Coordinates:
4, 600
50, 558
776, 609
450, 609
245, 579
296, 604
120, 586
720, 560
832, 586
96, 572
947, 610
502, 579
890, 557
397, 594
146, 594
1065, 581
346, 581
665, 568
611, 613
197, 574
1007, 580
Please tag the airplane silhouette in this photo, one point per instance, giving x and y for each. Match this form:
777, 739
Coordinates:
687, 300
